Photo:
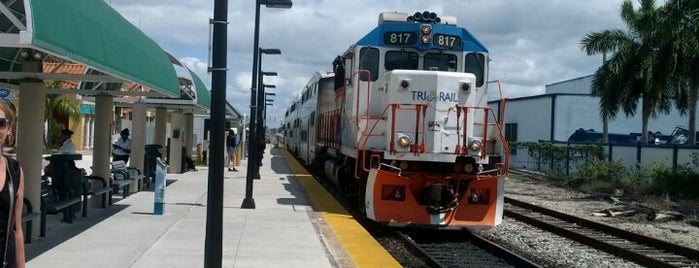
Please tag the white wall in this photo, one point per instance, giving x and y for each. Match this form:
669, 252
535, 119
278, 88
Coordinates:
580, 85
532, 116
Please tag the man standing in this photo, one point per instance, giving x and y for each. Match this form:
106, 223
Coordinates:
67, 146
231, 146
122, 147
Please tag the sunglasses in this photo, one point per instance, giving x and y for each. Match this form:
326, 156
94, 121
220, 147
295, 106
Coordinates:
4, 122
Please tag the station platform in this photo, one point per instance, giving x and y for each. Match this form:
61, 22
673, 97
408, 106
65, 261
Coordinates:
296, 223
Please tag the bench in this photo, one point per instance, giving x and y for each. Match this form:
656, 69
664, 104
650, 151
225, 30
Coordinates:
96, 186
28, 216
123, 177
53, 202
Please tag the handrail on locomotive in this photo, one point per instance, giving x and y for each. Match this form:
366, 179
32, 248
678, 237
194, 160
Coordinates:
416, 148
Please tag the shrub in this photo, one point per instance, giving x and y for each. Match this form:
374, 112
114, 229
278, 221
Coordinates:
682, 182
599, 176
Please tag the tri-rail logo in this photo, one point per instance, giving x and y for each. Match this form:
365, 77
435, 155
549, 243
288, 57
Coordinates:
434, 96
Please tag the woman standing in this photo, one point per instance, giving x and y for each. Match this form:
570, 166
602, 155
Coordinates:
11, 198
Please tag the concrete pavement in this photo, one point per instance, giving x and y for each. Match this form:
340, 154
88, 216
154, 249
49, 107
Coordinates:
283, 230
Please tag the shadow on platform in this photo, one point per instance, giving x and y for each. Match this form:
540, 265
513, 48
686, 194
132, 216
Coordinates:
58, 232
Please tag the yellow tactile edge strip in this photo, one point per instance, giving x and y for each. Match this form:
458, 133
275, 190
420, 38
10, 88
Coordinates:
364, 250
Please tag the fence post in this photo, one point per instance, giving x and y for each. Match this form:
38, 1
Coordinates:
567, 158
638, 155
674, 157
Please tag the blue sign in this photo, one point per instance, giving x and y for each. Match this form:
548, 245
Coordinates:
4, 93
159, 189
87, 109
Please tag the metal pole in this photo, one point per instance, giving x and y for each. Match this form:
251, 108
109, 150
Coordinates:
242, 138
213, 249
249, 202
260, 121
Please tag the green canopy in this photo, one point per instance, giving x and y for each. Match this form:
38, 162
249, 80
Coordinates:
203, 93
92, 33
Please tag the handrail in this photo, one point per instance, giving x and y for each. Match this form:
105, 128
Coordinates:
506, 146
416, 147
366, 139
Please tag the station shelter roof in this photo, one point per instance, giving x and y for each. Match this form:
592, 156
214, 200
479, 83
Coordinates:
87, 32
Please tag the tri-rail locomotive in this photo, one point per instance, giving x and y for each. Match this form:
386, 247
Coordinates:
403, 121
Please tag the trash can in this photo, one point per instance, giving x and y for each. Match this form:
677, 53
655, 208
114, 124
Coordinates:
150, 160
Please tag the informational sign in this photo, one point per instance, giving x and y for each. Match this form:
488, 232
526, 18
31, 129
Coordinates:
4, 93
159, 190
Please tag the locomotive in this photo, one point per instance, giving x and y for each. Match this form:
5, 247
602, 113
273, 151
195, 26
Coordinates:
402, 120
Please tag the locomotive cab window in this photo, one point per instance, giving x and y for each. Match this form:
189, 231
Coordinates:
475, 64
369, 60
400, 60
440, 62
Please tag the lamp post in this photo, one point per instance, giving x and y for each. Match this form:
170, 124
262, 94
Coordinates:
268, 102
213, 248
260, 132
249, 202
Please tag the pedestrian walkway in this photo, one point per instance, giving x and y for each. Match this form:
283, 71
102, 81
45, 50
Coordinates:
282, 231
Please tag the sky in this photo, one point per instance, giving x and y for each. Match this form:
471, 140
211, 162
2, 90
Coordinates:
531, 42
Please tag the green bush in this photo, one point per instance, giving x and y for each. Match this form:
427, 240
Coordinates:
601, 170
682, 182
640, 180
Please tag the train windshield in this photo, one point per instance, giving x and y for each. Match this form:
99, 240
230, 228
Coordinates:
401, 60
369, 60
475, 64
440, 62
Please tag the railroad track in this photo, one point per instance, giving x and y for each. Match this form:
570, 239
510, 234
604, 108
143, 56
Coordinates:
459, 249
634, 247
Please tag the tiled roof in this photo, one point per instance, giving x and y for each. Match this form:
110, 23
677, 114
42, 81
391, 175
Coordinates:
67, 68
71, 68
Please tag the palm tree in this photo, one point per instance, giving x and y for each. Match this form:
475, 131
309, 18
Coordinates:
630, 75
57, 106
679, 31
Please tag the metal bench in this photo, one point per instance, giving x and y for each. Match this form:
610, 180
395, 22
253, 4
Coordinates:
28, 216
123, 177
96, 186
53, 202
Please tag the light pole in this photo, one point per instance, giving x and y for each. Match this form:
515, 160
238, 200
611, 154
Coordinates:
268, 102
213, 248
260, 137
249, 202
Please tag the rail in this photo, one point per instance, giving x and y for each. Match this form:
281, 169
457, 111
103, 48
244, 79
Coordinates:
418, 146
634, 247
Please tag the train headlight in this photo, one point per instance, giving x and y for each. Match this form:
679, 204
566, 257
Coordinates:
425, 39
404, 141
465, 86
475, 145
405, 83
468, 168
403, 165
474, 198
426, 29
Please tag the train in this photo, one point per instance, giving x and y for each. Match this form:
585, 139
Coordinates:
402, 123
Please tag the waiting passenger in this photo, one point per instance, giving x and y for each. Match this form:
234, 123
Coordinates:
122, 147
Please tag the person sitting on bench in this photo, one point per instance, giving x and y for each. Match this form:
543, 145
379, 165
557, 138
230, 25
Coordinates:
122, 147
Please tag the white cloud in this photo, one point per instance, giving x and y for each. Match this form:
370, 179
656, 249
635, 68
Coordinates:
532, 43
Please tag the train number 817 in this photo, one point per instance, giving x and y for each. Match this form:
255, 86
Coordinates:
448, 41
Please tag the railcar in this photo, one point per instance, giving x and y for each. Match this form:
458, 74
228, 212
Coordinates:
403, 121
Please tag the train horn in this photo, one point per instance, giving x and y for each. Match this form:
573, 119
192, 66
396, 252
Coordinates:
418, 16
433, 16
